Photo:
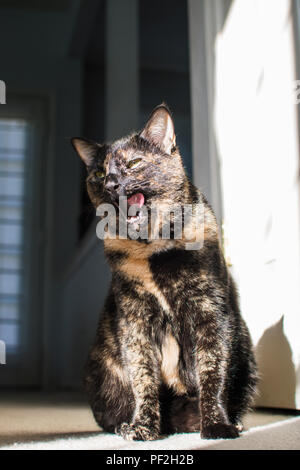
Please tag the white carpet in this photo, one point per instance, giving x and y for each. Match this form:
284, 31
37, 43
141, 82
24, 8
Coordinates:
61, 423
284, 435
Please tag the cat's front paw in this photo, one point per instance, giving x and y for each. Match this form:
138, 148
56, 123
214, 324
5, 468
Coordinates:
137, 432
219, 431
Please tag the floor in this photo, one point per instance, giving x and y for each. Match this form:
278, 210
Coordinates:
64, 421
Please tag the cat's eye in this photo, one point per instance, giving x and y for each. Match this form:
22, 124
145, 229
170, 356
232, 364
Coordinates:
100, 174
134, 163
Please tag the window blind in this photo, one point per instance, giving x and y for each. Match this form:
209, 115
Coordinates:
13, 152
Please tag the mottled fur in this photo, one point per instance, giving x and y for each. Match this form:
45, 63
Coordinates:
172, 352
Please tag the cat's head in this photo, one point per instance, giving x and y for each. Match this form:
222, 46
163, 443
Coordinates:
145, 167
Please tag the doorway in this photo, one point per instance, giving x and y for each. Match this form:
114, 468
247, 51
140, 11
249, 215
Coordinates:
22, 182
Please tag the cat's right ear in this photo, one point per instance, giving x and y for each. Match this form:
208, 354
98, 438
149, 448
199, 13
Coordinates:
86, 149
159, 129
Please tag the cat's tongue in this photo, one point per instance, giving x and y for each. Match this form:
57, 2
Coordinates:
137, 199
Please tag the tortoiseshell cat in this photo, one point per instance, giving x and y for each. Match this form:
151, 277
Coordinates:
172, 352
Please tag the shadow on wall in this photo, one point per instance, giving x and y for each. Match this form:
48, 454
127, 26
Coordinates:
277, 385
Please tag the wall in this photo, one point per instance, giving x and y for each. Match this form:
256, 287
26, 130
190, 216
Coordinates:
257, 137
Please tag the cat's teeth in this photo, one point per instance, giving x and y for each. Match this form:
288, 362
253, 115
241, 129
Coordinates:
132, 219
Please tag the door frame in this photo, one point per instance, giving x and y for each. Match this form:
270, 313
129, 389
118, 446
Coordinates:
27, 372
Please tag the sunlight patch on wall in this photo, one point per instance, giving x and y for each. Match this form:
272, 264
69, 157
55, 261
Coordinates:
257, 139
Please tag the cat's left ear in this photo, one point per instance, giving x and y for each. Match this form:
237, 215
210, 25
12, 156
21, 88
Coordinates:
159, 129
86, 149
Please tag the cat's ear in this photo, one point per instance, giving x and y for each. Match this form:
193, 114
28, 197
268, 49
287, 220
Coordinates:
159, 129
86, 149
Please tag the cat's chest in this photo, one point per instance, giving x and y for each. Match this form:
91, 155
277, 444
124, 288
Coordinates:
173, 266
165, 277
139, 271
176, 274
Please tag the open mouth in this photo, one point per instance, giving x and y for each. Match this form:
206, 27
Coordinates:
135, 205
138, 200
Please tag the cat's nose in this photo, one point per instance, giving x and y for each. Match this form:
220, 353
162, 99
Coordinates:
111, 185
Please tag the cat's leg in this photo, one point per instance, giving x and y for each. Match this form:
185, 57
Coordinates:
109, 391
144, 372
212, 359
242, 379
242, 375
106, 380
